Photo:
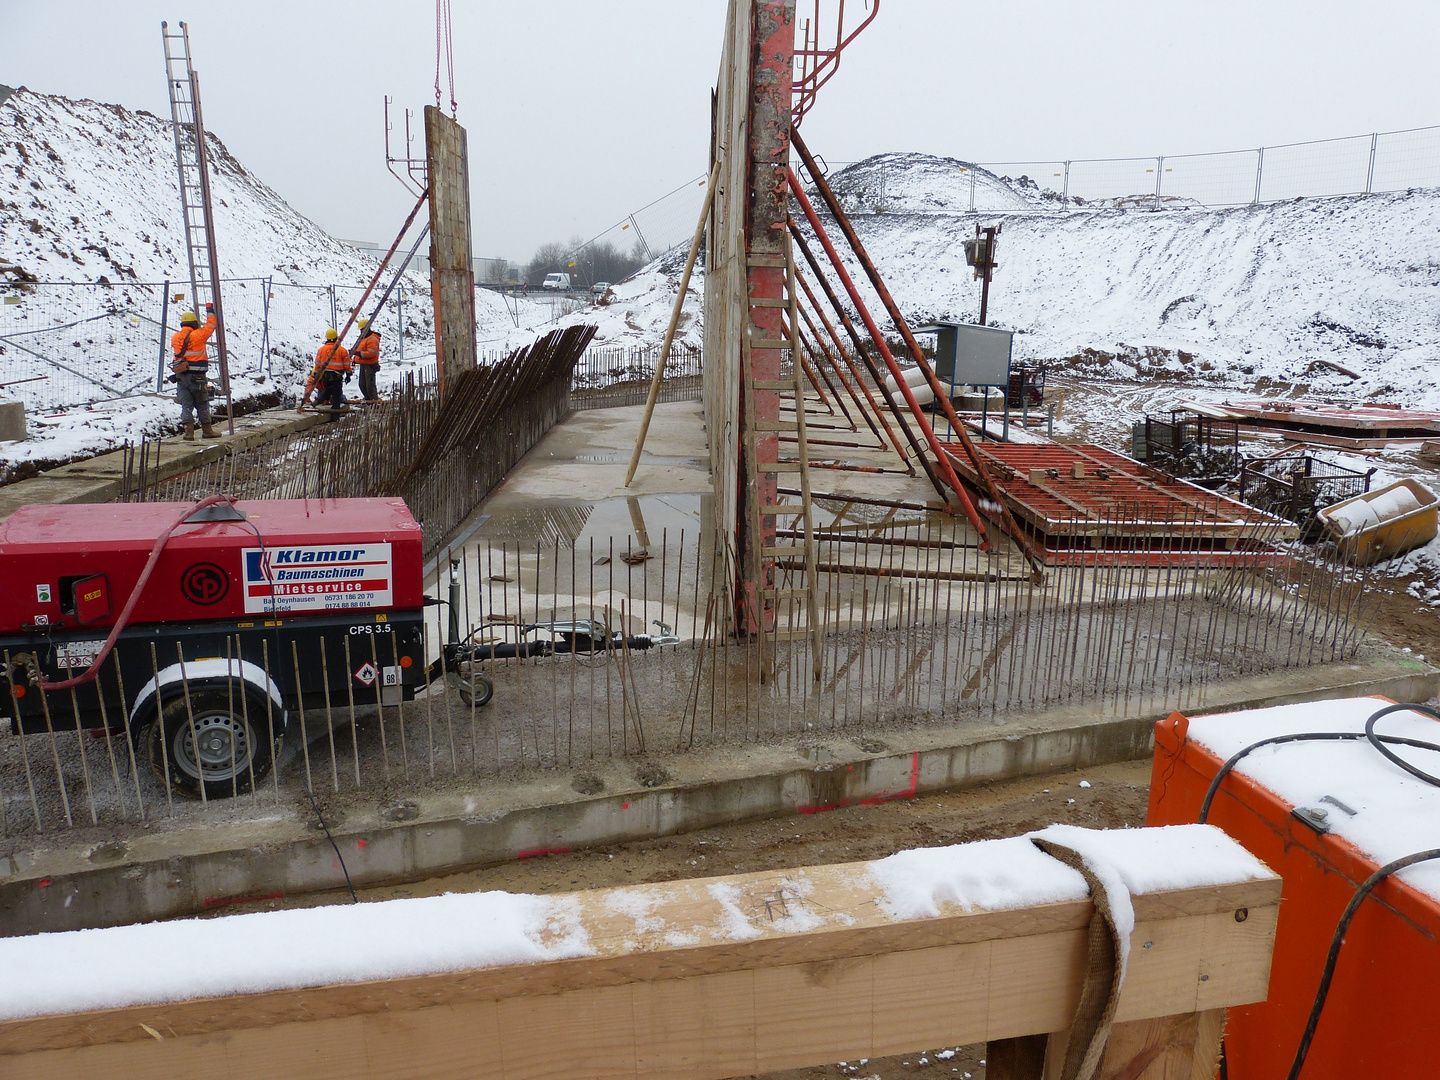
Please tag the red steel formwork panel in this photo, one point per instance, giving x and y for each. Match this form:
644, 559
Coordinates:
1086, 503
767, 156
1379, 1018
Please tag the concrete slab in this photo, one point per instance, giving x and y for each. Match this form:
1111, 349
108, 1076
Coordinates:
163, 874
101, 478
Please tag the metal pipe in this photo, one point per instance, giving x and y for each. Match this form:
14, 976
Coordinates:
946, 472
987, 482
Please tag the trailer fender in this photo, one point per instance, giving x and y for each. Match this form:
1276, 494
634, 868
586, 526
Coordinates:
170, 682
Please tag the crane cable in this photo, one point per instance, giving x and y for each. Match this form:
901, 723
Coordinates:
445, 48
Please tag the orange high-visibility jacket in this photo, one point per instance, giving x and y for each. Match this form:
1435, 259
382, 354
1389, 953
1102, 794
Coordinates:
189, 344
367, 349
332, 357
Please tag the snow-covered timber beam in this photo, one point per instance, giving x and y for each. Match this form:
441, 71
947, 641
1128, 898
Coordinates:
452, 278
717, 977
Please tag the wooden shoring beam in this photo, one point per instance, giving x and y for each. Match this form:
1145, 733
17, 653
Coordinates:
706, 979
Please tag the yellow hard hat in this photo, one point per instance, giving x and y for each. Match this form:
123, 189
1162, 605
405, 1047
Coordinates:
188, 317
363, 323
330, 334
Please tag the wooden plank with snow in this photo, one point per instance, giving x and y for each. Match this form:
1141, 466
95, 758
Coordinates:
691, 980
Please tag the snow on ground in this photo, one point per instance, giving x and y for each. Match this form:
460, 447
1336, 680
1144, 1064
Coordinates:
89, 193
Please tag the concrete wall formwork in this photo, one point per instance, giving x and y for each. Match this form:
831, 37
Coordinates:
452, 279
745, 263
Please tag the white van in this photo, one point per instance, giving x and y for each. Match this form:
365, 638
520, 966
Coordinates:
556, 281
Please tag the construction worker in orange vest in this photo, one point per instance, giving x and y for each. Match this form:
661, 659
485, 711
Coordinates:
331, 372
367, 358
190, 364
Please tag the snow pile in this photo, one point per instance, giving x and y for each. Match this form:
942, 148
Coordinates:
1248, 299
636, 311
924, 184
89, 193
1395, 813
278, 950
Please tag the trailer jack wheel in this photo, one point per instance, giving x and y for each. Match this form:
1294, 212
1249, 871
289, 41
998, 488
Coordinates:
484, 688
219, 741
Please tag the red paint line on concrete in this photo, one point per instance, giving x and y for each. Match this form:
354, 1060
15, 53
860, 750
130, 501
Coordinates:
873, 800
536, 853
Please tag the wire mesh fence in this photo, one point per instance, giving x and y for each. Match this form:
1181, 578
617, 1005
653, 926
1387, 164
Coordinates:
611, 377
1362, 164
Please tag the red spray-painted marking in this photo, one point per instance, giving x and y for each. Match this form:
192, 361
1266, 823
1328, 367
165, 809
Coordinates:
535, 853
873, 800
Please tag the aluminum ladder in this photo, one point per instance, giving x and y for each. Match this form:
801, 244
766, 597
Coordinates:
196, 205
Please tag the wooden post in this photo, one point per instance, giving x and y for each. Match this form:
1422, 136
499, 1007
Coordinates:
452, 279
674, 322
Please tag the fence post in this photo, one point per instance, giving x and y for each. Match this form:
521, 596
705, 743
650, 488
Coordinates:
1159, 173
1065, 194
400, 319
1259, 172
264, 364
972, 185
164, 317
334, 314
1370, 172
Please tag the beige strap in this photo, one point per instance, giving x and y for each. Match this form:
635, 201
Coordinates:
1100, 993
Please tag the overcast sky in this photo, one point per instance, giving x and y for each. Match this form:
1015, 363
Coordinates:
580, 111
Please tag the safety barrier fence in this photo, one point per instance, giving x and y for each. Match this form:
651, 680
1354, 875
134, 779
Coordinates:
65, 345
580, 648
1386, 161
610, 377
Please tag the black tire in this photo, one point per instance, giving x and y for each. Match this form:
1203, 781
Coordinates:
484, 688
234, 744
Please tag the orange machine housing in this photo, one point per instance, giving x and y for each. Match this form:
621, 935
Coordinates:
1381, 1018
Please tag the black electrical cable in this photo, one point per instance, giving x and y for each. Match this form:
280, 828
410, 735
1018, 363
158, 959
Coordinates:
321, 818
1382, 744
1339, 939
308, 793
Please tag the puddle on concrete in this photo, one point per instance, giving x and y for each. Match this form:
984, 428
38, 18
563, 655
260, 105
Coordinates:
646, 518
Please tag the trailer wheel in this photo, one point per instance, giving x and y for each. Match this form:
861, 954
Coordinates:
484, 689
233, 752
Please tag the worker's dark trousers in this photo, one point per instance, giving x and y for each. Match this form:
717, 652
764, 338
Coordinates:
367, 381
332, 390
193, 396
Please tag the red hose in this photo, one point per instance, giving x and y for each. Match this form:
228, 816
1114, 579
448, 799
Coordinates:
94, 669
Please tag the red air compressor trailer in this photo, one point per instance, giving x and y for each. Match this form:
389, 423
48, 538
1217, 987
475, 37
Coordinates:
201, 629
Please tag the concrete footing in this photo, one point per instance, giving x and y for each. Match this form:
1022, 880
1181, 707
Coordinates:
160, 874
12, 421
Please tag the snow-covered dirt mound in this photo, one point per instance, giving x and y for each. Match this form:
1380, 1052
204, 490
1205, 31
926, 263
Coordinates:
1265, 299
89, 194
924, 184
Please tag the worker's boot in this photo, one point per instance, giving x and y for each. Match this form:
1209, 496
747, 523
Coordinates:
209, 432
189, 435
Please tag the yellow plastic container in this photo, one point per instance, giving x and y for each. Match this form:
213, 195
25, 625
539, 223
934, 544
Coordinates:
1383, 523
